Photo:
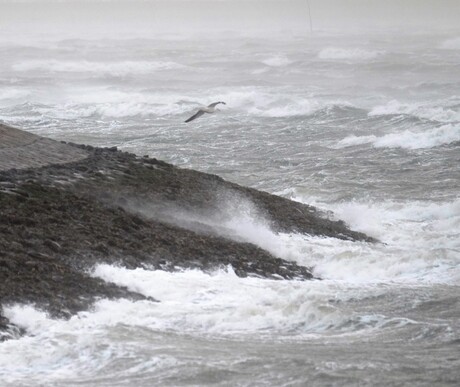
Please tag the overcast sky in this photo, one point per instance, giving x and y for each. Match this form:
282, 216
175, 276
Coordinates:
152, 16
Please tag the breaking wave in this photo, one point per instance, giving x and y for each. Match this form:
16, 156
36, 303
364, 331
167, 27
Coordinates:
277, 61
407, 139
434, 113
222, 303
110, 103
421, 243
261, 103
102, 68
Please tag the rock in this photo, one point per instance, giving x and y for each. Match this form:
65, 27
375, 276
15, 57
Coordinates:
8, 330
115, 208
56, 247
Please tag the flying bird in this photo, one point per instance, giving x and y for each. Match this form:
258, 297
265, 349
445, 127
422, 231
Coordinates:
206, 109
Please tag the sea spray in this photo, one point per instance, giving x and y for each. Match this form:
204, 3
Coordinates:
364, 126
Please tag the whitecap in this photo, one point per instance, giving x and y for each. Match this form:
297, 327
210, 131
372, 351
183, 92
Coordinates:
426, 111
334, 53
407, 139
355, 140
421, 243
108, 103
61, 351
443, 135
260, 103
277, 61
299, 107
222, 303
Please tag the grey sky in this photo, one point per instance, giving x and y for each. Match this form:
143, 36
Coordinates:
122, 17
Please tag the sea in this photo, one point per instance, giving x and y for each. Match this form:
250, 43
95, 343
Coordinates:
365, 126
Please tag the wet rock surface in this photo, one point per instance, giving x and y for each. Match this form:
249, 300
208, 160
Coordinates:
59, 220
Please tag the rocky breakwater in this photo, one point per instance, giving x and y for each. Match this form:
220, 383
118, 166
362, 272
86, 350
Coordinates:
65, 208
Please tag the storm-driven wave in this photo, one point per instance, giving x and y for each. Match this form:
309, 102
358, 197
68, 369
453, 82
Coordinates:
365, 128
443, 135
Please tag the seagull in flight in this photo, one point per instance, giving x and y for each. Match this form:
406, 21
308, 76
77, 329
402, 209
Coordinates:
206, 109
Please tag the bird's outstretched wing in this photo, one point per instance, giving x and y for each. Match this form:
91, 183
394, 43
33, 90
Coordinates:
215, 104
196, 115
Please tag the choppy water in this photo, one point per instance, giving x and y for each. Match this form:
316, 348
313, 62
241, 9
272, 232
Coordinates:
365, 126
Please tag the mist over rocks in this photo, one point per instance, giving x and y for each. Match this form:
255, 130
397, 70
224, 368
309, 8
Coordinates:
58, 221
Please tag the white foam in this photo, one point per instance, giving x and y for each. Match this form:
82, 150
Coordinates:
422, 243
431, 138
59, 351
83, 102
355, 54
245, 98
407, 139
427, 111
222, 303
421, 239
87, 102
355, 140
298, 107
422, 248
277, 61
261, 103
193, 304
122, 68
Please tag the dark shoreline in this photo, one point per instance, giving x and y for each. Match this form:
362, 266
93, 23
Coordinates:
57, 221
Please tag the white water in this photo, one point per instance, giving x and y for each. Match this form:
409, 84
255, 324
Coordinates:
356, 54
442, 135
367, 294
364, 126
